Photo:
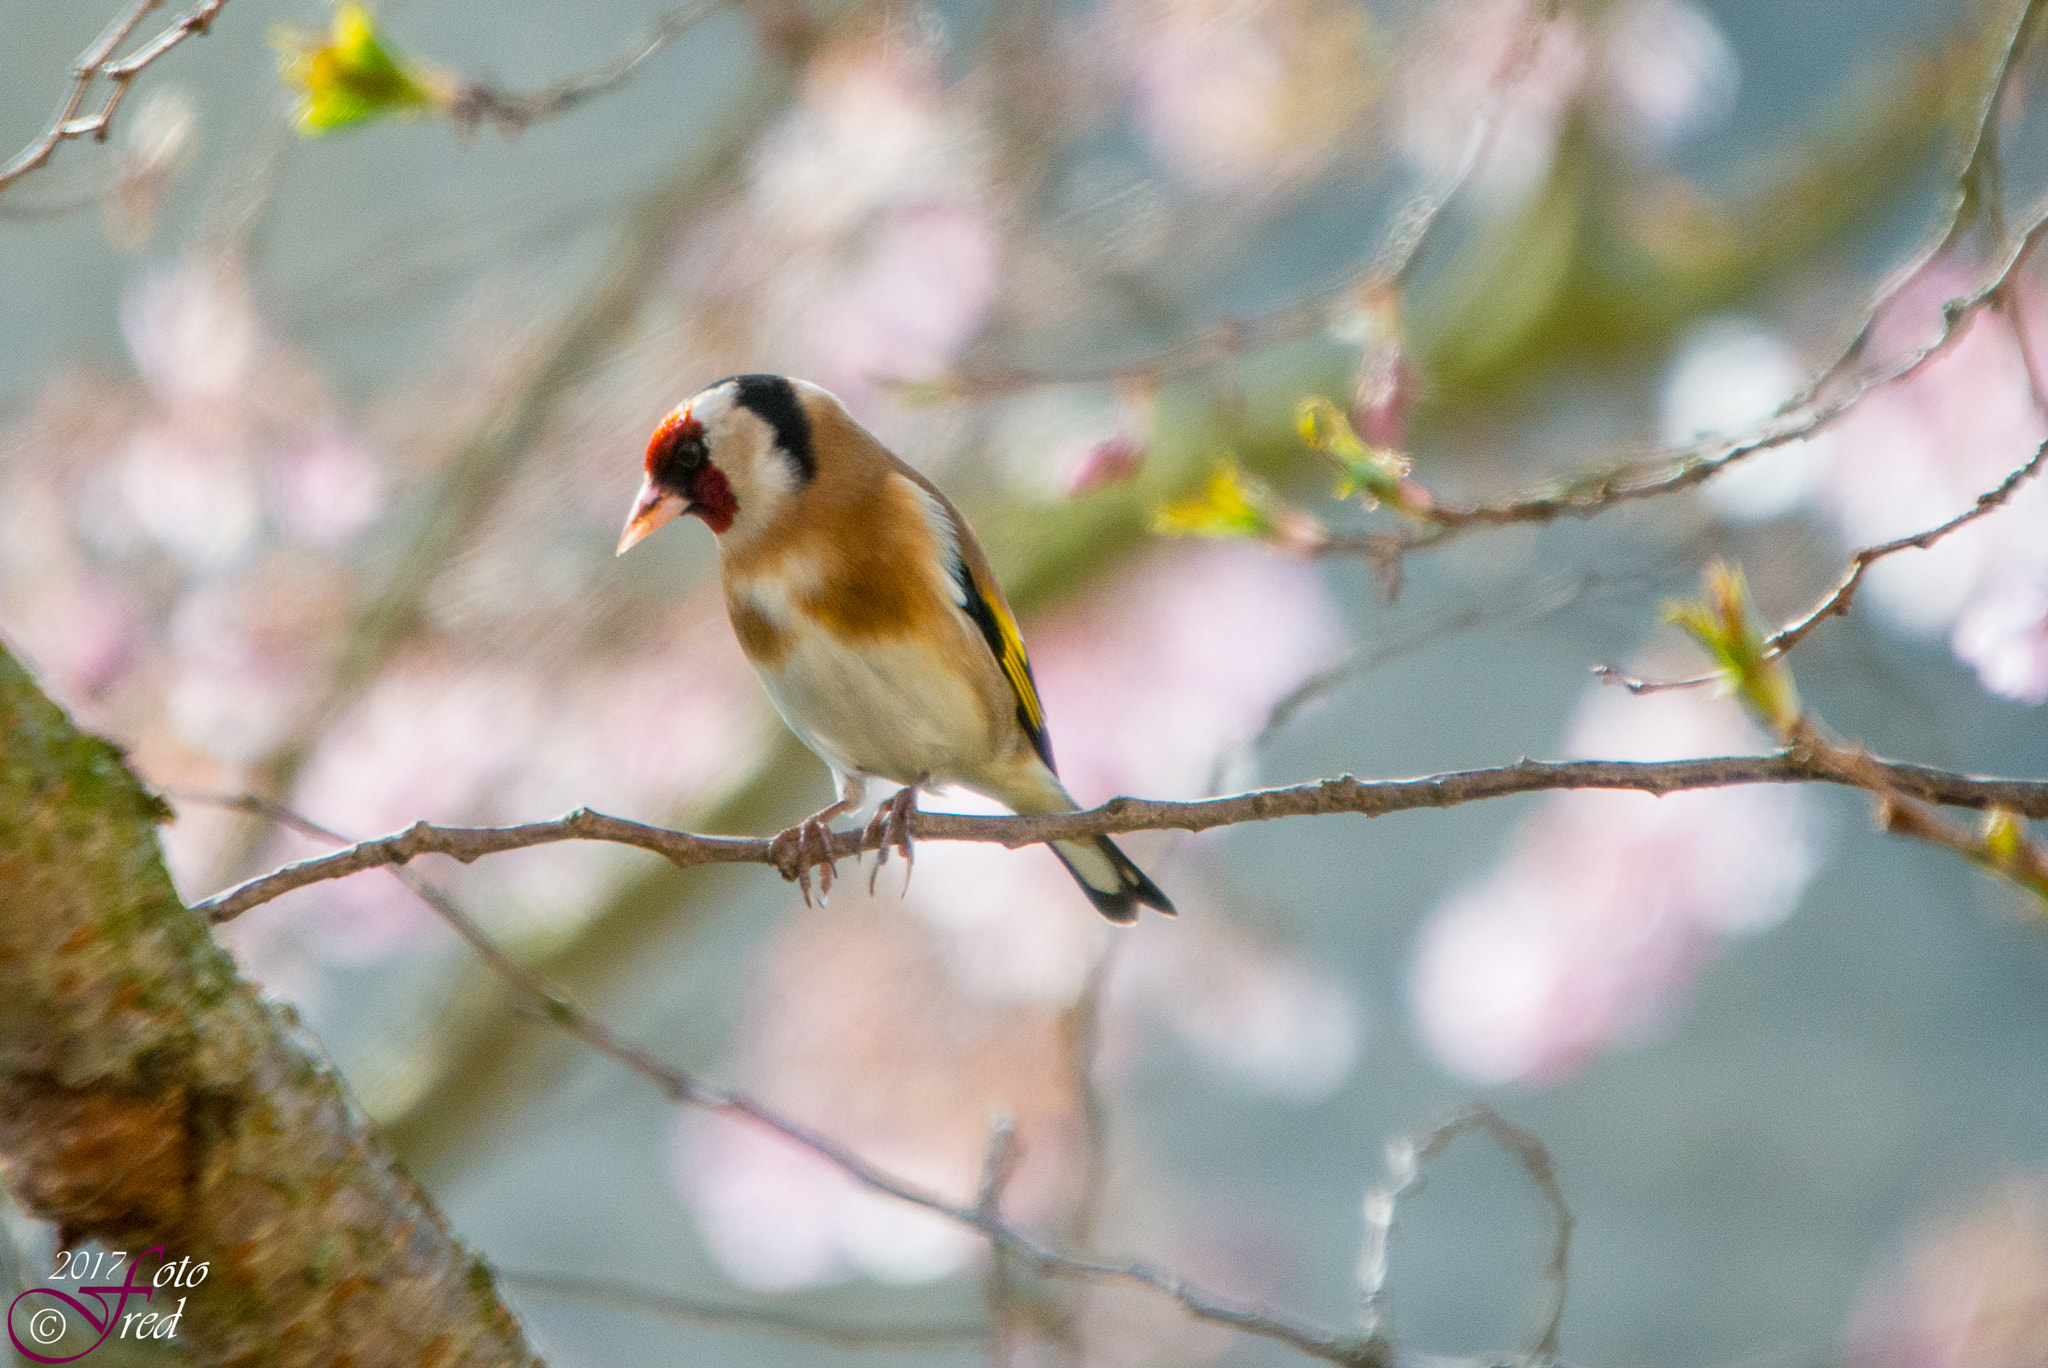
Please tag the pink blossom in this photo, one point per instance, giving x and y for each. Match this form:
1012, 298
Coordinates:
909, 303
869, 132
1968, 1290
1256, 1010
1232, 626
444, 739
1209, 88
79, 630
1112, 461
244, 654
854, 1028
871, 248
1590, 931
327, 489
1455, 66
1667, 72
1654, 72
2004, 638
192, 329
190, 484
1236, 97
1727, 378
1912, 454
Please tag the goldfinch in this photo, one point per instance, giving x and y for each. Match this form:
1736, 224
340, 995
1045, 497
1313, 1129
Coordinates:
861, 597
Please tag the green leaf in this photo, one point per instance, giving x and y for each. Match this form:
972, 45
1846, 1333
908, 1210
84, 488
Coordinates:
1376, 475
1230, 505
1722, 623
351, 74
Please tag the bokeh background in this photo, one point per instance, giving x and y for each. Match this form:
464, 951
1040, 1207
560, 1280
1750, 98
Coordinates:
313, 452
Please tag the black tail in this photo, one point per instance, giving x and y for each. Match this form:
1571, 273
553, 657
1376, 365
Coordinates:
1117, 887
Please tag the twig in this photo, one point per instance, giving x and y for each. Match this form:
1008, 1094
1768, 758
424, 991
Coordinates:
1837, 601
1405, 1159
2028, 797
983, 1215
97, 64
1548, 596
1084, 1043
762, 1320
476, 102
1592, 493
1414, 226
997, 1284
1588, 495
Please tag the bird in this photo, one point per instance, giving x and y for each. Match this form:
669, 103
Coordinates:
861, 597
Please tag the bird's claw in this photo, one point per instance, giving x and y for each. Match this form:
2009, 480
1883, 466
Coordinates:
802, 848
890, 826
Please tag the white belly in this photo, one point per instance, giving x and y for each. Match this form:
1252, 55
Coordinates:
893, 710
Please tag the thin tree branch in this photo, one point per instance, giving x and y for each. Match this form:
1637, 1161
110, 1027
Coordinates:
999, 1282
1586, 496
97, 64
1395, 260
1979, 189
1836, 602
760, 1320
1372, 798
983, 1214
1083, 1037
1405, 1160
476, 102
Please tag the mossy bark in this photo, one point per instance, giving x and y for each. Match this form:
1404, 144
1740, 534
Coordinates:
149, 1096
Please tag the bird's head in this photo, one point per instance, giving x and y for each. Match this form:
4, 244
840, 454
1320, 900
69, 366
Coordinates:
730, 454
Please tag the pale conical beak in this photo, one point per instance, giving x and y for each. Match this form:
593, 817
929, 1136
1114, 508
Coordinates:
653, 508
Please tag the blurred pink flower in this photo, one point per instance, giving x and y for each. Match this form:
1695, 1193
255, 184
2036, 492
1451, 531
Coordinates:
909, 303
1233, 95
2004, 638
1728, 375
1253, 1009
244, 657
1653, 73
870, 132
327, 489
854, 1028
1453, 69
79, 630
1590, 931
1208, 88
192, 329
1969, 1290
1180, 657
1112, 461
871, 244
1667, 73
190, 484
438, 738
1912, 454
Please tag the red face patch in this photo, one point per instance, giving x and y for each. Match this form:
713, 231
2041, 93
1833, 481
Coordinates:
677, 444
711, 498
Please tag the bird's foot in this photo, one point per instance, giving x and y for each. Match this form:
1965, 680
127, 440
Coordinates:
807, 846
891, 827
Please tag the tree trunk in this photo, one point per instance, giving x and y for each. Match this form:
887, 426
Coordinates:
149, 1097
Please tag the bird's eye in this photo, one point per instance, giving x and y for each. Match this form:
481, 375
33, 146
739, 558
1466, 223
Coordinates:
676, 450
